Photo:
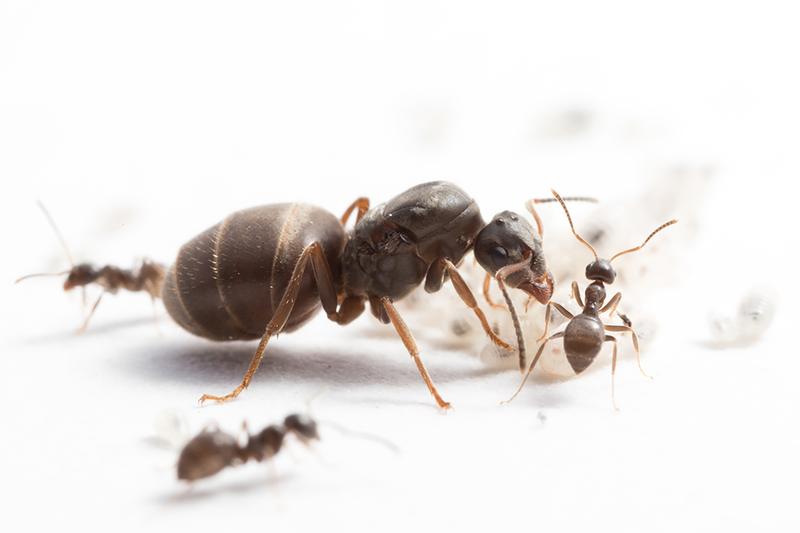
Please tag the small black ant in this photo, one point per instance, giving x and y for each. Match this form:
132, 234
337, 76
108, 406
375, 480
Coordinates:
585, 333
147, 277
212, 450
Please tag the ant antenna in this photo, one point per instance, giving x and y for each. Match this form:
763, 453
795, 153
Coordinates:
41, 275
569, 218
662, 226
64, 246
57, 232
529, 205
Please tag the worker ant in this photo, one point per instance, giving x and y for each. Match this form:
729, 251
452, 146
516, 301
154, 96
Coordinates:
212, 450
147, 277
585, 333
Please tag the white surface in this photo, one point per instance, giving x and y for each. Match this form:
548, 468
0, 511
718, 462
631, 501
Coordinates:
141, 125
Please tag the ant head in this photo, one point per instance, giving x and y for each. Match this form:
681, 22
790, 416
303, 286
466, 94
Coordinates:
601, 270
80, 276
510, 240
303, 426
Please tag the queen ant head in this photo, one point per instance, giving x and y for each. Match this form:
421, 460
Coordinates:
510, 240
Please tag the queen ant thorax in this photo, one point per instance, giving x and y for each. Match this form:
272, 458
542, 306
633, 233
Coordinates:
147, 277
585, 333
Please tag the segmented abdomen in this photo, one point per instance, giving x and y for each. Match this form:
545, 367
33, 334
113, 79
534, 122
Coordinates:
227, 282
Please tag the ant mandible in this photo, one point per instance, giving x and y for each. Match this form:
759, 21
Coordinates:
585, 333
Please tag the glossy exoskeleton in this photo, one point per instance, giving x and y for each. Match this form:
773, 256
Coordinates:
585, 333
268, 269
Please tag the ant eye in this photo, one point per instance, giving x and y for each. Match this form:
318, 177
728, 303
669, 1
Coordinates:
498, 254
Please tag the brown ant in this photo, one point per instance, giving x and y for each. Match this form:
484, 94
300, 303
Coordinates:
585, 333
213, 450
147, 277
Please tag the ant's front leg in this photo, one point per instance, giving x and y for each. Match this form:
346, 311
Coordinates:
487, 283
361, 204
465, 293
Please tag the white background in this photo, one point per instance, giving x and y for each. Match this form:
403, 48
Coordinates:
140, 124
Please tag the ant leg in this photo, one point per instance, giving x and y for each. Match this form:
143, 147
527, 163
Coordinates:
362, 204
533, 364
635, 340
566, 314
468, 298
314, 251
576, 294
405, 335
91, 313
487, 280
612, 304
609, 338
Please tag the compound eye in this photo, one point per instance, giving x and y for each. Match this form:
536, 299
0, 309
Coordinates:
498, 255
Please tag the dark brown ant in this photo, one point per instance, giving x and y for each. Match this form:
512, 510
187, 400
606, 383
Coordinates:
147, 277
268, 269
585, 333
213, 450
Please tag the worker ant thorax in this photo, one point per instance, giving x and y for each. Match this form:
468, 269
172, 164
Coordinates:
148, 277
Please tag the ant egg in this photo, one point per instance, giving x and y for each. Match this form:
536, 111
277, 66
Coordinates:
754, 316
756, 312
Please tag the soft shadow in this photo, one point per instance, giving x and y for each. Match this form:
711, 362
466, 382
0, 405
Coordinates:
196, 492
101, 329
225, 363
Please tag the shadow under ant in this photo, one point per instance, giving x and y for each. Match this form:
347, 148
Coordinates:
199, 492
99, 329
215, 364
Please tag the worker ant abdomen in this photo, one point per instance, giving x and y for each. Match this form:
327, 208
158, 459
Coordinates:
227, 282
207, 454
583, 338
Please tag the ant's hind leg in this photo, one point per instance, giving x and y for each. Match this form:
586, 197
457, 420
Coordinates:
405, 335
635, 340
533, 364
468, 298
609, 338
284, 310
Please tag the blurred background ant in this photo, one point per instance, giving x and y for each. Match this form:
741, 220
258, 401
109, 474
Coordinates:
213, 450
147, 277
